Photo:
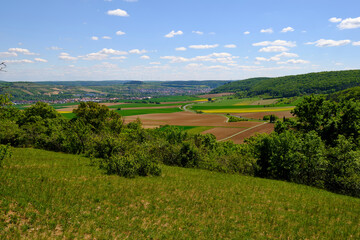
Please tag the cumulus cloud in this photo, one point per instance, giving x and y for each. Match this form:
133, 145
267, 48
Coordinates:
349, 23
111, 51
67, 57
155, 63
335, 20
230, 46
21, 50
198, 32
246, 33
8, 54
294, 61
277, 57
173, 34
119, 33
40, 60
94, 38
118, 12
145, 57
203, 46
356, 43
225, 58
274, 49
287, 29
269, 30
180, 49
275, 43
20, 61
329, 43
137, 51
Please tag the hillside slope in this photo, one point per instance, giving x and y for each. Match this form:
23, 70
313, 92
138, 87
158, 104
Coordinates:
54, 195
289, 86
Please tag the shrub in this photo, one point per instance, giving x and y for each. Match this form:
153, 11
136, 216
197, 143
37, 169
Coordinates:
236, 119
131, 165
5, 152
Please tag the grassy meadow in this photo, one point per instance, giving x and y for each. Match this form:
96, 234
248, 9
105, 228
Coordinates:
47, 195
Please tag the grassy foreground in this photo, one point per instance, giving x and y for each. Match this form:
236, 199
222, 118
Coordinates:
53, 195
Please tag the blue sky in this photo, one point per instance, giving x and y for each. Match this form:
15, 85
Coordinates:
176, 39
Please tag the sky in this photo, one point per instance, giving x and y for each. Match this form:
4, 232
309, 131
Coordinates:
65, 40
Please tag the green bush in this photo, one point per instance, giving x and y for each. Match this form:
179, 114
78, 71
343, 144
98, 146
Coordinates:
5, 152
131, 165
236, 119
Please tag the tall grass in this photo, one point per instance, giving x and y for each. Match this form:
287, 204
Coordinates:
45, 195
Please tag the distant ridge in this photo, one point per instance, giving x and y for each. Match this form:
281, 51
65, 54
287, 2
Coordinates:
294, 85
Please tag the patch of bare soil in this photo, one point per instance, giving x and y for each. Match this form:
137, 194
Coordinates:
221, 133
265, 128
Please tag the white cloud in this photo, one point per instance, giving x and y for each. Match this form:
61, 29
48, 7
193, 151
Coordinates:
335, 20
277, 57
180, 49
230, 46
269, 30
119, 58
40, 60
8, 54
118, 12
119, 33
329, 43
155, 63
94, 38
137, 51
20, 61
203, 46
356, 43
274, 49
111, 51
145, 57
54, 48
173, 34
287, 29
246, 33
275, 43
349, 23
294, 61
198, 32
22, 51
66, 56
94, 56
225, 58
106, 37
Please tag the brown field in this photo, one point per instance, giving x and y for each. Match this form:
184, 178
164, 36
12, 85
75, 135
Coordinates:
260, 115
215, 95
188, 119
221, 133
263, 128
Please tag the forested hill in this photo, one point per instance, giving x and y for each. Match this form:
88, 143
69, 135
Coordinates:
288, 86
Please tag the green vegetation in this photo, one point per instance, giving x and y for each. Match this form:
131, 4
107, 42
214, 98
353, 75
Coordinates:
236, 119
320, 148
54, 195
132, 112
137, 105
289, 86
272, 118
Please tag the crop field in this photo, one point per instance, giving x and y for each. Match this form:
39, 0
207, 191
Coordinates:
46, 195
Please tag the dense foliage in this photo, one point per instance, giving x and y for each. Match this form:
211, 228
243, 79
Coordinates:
319, 148
289, 86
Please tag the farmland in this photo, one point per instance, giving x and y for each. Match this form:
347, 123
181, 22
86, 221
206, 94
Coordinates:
55, 195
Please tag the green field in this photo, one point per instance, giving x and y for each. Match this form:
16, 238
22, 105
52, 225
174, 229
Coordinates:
191, 129
147, 111
46, 195
137, 105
